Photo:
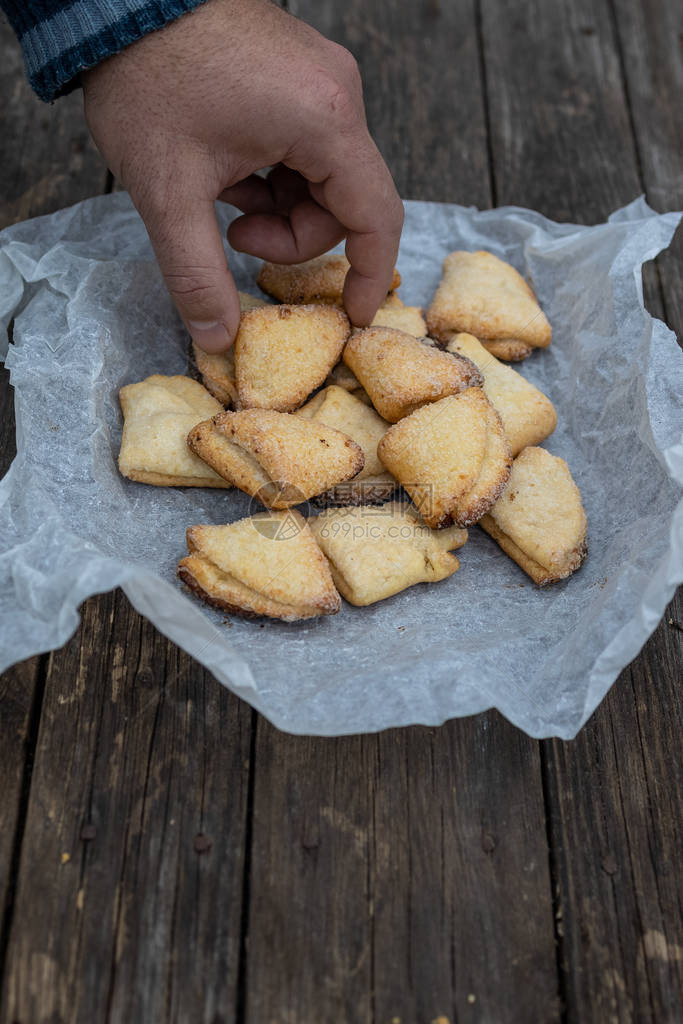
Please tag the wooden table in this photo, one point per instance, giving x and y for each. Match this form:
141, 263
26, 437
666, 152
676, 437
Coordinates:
165, 853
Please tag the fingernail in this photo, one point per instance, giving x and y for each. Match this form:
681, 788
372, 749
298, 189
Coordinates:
210, 335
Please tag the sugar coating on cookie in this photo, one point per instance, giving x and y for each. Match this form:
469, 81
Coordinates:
282, 353
528, 416
217, 369
451, 456
158, 412
377, 552
339, 409
400, 373
276, 457
539, 519
482, 295
392, 313
268, 564
317, 280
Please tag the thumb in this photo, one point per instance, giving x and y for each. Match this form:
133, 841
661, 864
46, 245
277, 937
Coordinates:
188, 245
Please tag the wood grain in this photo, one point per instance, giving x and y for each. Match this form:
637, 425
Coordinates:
20, 701
616, 794
561, 136
381, 873
422, 87
129, 898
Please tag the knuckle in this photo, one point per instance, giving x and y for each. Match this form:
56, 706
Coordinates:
347, 63
335, 99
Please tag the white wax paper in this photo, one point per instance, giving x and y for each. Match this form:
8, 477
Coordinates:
92, 314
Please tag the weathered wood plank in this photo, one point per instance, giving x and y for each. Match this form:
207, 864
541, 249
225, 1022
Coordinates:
460, 876
611, 794
616, 794
309, 956
649, 37
122, 913
20, 696
49, 160
421, 76
395, 876
560, 132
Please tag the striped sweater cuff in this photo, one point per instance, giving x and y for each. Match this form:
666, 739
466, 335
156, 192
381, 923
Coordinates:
61, 39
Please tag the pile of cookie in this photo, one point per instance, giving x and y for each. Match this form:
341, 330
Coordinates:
304, 407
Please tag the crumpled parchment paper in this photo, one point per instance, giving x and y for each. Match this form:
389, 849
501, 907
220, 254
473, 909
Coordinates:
92, 314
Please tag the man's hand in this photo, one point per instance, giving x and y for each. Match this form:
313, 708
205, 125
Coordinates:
186, 116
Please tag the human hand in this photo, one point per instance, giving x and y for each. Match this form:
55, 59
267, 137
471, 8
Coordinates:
186, 116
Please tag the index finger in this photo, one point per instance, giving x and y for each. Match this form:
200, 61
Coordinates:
355, 185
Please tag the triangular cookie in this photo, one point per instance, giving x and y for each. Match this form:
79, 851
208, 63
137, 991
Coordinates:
539, 520
282, 353
217, 369
484, 296
392, 313
376, 552
400, 373
268, 564
317, 280
451, 456
337, 408
157, 414
528, 416
276, 457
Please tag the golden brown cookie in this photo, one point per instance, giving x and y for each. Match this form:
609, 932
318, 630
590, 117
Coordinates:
451, 456
318, 280
482, 295
509, 349
392, 313
273, 456
248, 301
539, 520
268, 564
528, 416
217, 369
157, 414
377, 552
337, 408
400, 373
282, 353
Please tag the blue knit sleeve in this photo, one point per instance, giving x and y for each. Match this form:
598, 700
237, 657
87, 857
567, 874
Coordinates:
59, 38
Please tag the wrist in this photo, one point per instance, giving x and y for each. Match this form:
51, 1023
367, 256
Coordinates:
60, 43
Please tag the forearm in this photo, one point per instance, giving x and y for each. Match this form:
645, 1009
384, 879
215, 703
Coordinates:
60, 38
